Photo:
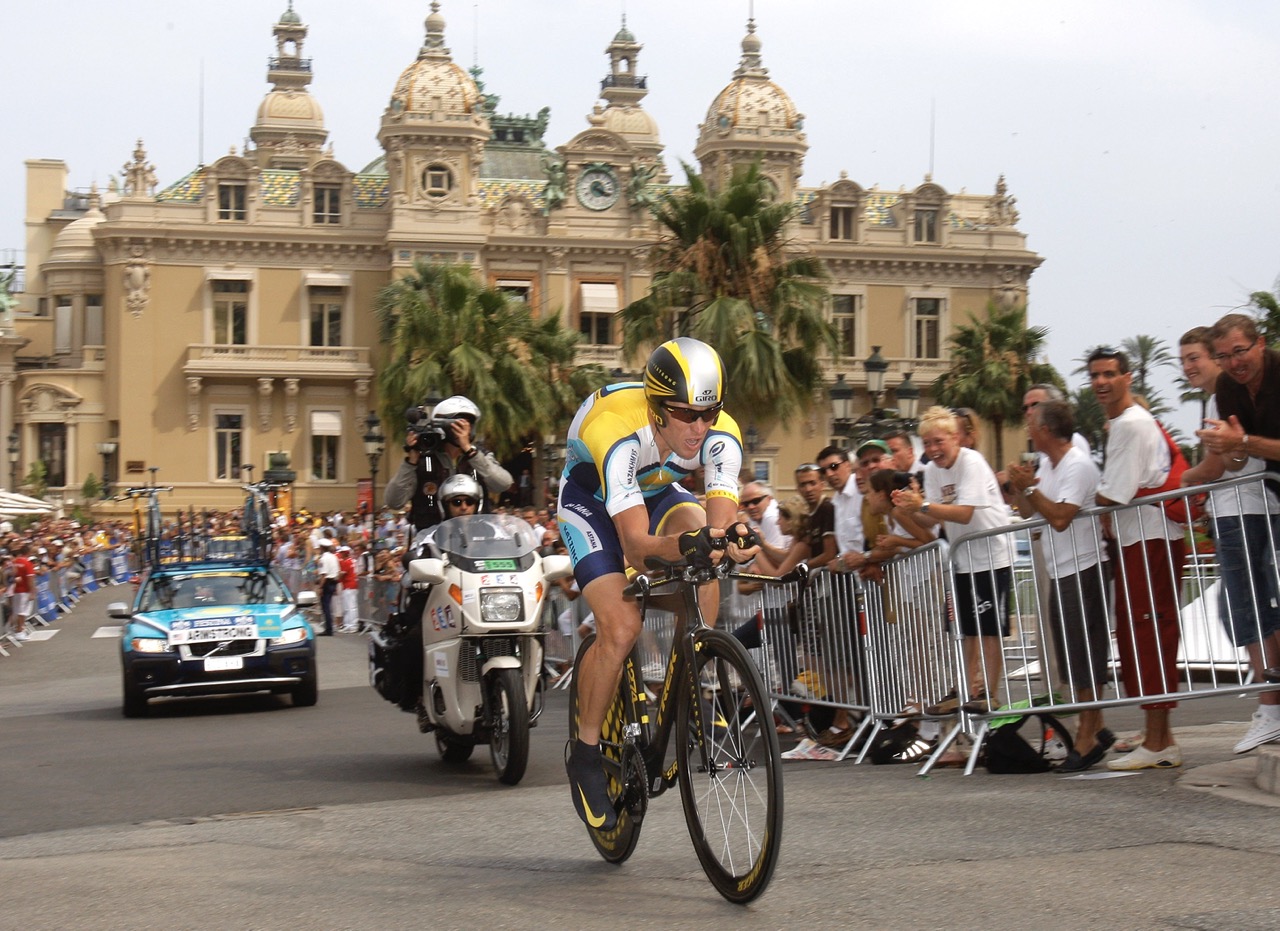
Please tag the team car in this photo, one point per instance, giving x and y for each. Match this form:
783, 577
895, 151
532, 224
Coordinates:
213, 628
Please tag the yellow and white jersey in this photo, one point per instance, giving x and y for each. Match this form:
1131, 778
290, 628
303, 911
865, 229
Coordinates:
613, 452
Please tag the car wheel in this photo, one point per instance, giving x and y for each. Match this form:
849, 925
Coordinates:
135, 700
308, 692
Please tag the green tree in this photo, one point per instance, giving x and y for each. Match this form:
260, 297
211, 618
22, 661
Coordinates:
92, 488
993, 363
725, 273
1091, 419
35, 481
443, 333
1267, 306
1146, 354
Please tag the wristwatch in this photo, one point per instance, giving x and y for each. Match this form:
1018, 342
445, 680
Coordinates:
924, 507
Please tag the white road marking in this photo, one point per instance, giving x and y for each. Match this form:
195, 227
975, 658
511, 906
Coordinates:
108, 631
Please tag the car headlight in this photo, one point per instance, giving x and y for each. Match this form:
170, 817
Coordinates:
293, 635
501, 607
150, 644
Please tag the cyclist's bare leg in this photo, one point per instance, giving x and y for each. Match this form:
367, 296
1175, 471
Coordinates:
617, 627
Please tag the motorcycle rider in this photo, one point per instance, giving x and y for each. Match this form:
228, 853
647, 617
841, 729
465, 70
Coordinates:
418, 480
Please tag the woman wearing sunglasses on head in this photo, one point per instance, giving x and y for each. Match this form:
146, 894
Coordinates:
621, 501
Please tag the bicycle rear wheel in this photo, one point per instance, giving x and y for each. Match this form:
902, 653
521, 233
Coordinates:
628, 786
730, 768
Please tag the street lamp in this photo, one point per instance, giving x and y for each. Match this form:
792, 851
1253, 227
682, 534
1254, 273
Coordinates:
841, 394
876, 366
13, 461
752, 439
908, 396
107, 449
374, 444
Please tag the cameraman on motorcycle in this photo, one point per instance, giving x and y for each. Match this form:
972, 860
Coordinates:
421, 475
622, 501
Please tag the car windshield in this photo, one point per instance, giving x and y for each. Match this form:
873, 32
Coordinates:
486, 536
198, 589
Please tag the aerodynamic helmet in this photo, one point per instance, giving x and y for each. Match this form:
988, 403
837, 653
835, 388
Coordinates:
457, 406
686, 371
459, 486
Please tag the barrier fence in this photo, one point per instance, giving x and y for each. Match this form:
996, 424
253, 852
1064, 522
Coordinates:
1122, 608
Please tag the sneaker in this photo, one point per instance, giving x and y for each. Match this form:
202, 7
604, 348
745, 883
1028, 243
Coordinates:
1263, 730
947, 704
810, 750
1142, 758
21, 635
979, 704
588, 787
835, 739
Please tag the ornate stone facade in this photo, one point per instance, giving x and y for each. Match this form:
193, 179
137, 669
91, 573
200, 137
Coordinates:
204, 322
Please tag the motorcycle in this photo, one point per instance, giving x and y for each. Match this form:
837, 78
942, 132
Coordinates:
466, 651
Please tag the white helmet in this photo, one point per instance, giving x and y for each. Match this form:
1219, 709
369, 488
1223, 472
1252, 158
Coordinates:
459, 486
456, 406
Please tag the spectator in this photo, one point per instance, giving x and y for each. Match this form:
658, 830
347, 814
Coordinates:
967, 427
961, 493
762, 514
1152, 552
1244, 518
328, 572
24, 586
1067, 483
349, 582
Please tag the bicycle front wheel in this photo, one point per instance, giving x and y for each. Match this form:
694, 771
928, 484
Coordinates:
730, 768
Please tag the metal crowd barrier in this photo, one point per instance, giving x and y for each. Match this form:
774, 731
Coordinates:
890, 649
1151, 623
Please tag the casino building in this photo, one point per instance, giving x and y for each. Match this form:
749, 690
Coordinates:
192, 324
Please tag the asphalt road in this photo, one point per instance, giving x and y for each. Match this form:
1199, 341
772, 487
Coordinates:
248, 813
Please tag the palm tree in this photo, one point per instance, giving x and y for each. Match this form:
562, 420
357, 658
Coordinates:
725, 273
444, 334
993, 363
1091, 419
1267, 304
1147, 353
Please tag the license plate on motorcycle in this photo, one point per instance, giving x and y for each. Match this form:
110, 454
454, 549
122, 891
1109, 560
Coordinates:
223, 663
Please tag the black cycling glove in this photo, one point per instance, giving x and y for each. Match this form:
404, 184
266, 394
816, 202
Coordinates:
742, 536
696, 547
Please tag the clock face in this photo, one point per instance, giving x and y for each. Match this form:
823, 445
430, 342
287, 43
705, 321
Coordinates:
597, 189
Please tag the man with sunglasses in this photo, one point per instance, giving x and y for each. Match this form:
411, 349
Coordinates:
762, 512
421, 475
622, 501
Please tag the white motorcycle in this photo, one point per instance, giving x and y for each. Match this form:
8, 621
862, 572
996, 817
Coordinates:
474, 590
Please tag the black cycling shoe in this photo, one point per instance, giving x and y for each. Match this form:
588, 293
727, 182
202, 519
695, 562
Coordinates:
588, 786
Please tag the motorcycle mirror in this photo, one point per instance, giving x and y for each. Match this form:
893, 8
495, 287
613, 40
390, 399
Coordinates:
557, 566
428, 571
306, 599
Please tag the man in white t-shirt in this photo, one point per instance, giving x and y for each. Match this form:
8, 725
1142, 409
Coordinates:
961, 493
1152, 553
757, 500
1065, 483
1245, 521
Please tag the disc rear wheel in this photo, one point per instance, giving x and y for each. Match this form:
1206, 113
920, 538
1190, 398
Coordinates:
730, 769
625, 769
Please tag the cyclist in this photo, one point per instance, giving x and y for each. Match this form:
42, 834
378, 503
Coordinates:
622, 500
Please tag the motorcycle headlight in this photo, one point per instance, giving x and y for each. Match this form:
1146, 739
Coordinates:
501, 607
150, 644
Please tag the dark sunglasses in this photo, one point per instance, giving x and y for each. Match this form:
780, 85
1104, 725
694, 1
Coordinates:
833, 466
752, 502
1027, 407
689, 415
458, 502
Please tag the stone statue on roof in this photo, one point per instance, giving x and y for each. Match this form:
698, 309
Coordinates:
557, 190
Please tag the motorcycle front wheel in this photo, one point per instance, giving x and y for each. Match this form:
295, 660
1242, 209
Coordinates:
509, 740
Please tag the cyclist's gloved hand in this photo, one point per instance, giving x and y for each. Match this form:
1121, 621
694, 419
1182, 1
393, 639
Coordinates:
696, 546
742, 536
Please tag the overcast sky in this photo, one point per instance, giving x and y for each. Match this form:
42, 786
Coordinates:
1140, 138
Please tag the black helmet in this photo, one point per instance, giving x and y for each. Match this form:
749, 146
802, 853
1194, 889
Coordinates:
686, 371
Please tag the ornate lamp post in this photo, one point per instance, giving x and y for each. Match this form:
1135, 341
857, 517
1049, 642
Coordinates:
374, 444
908, 396
841, 394
107, 449
13, 460
876, 366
